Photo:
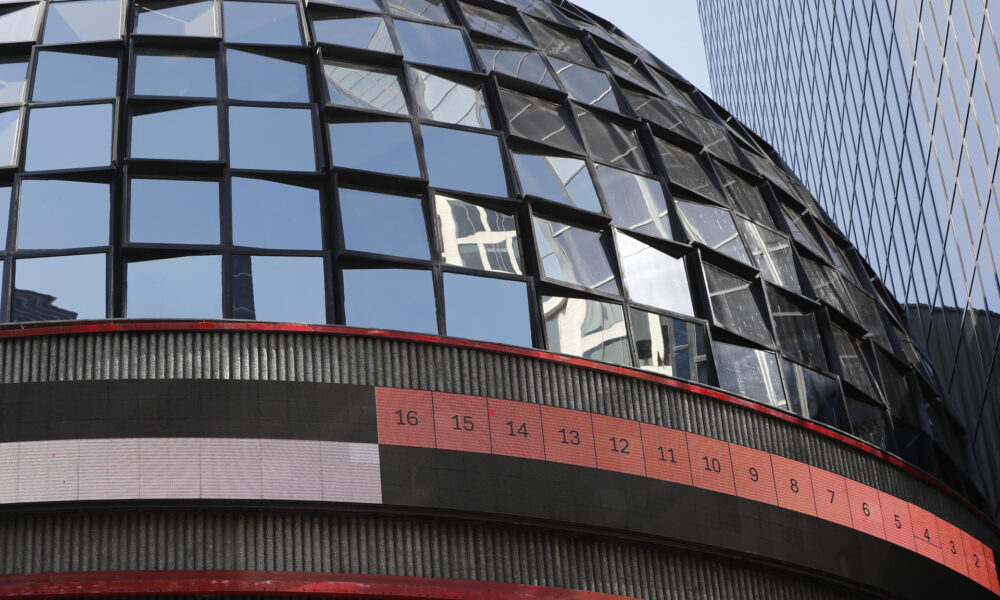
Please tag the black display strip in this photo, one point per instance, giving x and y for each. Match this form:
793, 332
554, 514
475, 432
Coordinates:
187, 408
552, 492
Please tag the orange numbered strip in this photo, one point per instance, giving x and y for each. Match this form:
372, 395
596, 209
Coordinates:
405, 418
793, 484
516, 429
619, 445
666, 453
925, 533
753, 474
830, 492
461, 423
896, 521
711, 467
568, 436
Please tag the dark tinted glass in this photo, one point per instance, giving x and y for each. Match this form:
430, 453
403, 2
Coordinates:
12, 77
181, 134
69, 137
166, 75
496, 24
659, 111
265, 79
461, 160
384, 147
735, 306
685, 170
854, 364
713, 227
442, 99
189, 287
433, 45
482, 308
354, 86
279, 139
867, 421
629, 70
587, 328
400, 299
262, 23
813, 395
714, 137
586, 85
279, 288
610, 143
573, 255
357, 32
427, 10
748, 372
744, 197
671, 346
174, 211
635, 202
516, 62
176, 18
383, 224
63, 214
564, 180
267, 214
796, 328
829, 287
540, 121
773, 254
477, 237
57, 288
63, 76
83, 21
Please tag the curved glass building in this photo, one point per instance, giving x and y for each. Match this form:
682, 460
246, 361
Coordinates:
389, 293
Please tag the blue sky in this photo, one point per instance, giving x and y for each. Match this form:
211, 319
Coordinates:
668, 28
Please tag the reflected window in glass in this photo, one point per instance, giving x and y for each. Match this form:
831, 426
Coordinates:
182, 134
83, 21
715, 228
574, 255
174, 75
63, 214
444, 100
69, 137
289, 289
588, 328
796, 328
63, 76
381, 146
60, 288
176, 18
563, 180
669, 346
684, 169
814, 395
735, 305
653, 277
401, 299
748, 372
276, 139
369, 88
423, 10
9, 122
610, 143
262, 23
188, 287
173, 211
773, 254
383, 224
466, 161
496, 24
18, 24
369, 33
543, 122
554, 42
483, 308
516, 62
265, 79
635, 202
477, 237
12, 78
586, 85
267, 214
433, 45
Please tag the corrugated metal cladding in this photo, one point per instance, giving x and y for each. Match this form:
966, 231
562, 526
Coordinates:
313, 541
276, 356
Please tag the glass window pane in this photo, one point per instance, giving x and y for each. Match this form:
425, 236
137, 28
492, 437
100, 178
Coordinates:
685, 170
814, 395
868, 421
829, 287
289, 289
750, 373
654, 278
555, 43
276, 139
188, 287
671, 346
63, 214
713, 227
573, 255
176, 18
4, 215
182, 134
265, 79
466, 161
401, 299
383, 224
563, 180
477, 237
854, 365
743, 196
658, 111
540, 8
173, 211
735, 306
357, 32
516, 62
588, 328
629, 70
442, 99
496, 24
610, 143
799, 227
18, 24
383, 147
540, 121
586, 85
796, 328
165, 75
9, 121
369, 5
69, 137
482, 308
262, 23
267, 214
433, 45
60, 288
714, 137
635, 202
64, 76
83, 21
12, 78
426, 10
773, 254
364, 88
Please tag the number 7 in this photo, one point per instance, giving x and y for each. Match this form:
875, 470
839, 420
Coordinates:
832, 494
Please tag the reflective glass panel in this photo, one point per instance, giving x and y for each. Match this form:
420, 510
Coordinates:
654, 278
796, 328
425, 10
69, 137
369, 5
4, 215
713, 227
164, 75
685, 170
587, 328
563, 180
265, 79
466, 161
183, 134
12, 77
540, 8
176, 18
750, 373
173, 211
586, 85
573, 255
9, 120
798, 225
635, 202
714, 137
610, 143
773, 254
64, 76
658, 111
18, 24
400, 299
869, 314
188, 287
540, 121
63, 214
383, 224
744, 196
669, 346
814, 395
433, 45
496, 24
83, 21
290, 289
854, 364
277, 139
867, 421
267, 214
262, 23
483, 308
364, 88
735, 306
442, 99
555, 43
829, 287
629, 70
477, 237
59, 288
357, 32
516, 62
384, 147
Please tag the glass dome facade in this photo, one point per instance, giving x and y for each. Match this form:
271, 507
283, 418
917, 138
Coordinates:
511, 171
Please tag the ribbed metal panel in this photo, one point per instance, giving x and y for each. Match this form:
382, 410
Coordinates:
310, 541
